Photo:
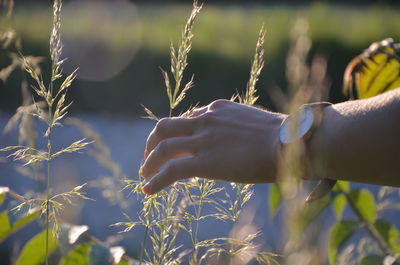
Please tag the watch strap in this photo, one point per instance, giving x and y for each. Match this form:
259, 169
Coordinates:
324, 185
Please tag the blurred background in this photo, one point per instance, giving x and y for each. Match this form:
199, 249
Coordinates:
119, 47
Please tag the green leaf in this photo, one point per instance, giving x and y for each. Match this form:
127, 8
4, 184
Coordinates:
34, 252
390, 234
4, 225
342, 186
11, 221
364, 201
372, 260
338, 235
338, 205
310, 211
77, 256
93, 254
275, 198
3, 193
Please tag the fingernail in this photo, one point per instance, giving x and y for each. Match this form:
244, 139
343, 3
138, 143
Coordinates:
146, 189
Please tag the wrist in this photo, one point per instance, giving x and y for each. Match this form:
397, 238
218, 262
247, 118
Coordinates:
320, 145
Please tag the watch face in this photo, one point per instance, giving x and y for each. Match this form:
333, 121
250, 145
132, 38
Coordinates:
292, 129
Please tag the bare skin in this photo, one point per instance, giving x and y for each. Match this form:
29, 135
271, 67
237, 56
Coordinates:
360, 141
357, 141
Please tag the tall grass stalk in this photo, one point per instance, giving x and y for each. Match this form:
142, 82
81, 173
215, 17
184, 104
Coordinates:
54, 96
179, 62
55, 52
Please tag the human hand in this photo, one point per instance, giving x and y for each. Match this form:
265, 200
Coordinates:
224, 141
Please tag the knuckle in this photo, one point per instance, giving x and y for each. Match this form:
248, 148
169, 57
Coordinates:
208, 118
162, 125
219, 103
162, 147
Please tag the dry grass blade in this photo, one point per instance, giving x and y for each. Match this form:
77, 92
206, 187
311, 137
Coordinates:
179, 62
69, 195
74, 147
150, 114
250, 97
55, 41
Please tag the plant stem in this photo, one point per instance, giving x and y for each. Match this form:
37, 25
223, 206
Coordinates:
143, 245
196, 231
198, 213
48, 193
48, 184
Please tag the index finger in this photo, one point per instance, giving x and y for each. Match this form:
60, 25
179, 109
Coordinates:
167, 128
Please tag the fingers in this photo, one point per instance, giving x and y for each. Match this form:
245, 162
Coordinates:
166, 128
197, 112
166, 150
177, 170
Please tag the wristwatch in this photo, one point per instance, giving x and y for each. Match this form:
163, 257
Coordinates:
300, 126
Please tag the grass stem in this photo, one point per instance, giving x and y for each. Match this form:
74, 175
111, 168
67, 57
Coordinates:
48, 194
143, 245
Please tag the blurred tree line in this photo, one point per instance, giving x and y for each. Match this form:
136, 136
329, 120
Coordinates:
223, 46
246, 2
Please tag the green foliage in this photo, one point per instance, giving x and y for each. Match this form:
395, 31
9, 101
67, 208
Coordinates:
338, 205
372, 260
310, 211
11, 220
275, 199
338, 235
343, 186
34, 252
364, 202
126, 262
4, 225
77, 256
390, 234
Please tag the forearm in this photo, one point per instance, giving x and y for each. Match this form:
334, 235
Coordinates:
360, 141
